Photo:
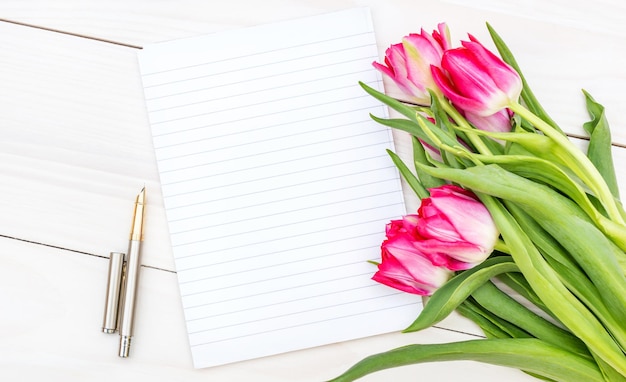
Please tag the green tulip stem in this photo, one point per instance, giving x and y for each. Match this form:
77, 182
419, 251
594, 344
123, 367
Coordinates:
585, 169
458, 150
502, 247
461, 121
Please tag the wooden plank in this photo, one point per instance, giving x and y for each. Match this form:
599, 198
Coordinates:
140, 22
606, 17
76, 147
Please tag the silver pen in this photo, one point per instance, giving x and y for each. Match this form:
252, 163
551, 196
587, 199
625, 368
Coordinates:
129, 290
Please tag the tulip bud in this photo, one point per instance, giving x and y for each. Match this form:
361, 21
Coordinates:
408, 63
454, 228
476, 80
405, 268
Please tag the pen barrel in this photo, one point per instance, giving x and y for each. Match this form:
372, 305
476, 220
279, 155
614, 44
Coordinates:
127, 313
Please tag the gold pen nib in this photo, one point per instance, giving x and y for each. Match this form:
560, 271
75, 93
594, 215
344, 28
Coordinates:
136, 231
141, 197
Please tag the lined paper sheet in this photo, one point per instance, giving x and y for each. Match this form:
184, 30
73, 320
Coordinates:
276, 185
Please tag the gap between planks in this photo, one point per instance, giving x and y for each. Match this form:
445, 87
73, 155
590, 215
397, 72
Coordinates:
70, 33
74, 251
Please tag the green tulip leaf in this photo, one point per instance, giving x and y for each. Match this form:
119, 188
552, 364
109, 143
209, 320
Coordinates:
599, 150
406, 125
528, 354
447, 298
393, 103
492, 325
519, 284
569, 272
410, 178
546, 283
412, 114
502, 305
419, 156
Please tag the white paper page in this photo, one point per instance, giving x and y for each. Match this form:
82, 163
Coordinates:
277, 185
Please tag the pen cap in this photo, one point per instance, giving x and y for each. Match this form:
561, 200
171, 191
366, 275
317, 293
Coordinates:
114, 287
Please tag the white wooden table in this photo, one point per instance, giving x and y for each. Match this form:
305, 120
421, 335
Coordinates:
75, 148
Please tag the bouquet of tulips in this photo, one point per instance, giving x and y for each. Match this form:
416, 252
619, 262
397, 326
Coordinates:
518, 229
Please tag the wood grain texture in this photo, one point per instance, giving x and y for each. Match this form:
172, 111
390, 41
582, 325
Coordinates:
76, 145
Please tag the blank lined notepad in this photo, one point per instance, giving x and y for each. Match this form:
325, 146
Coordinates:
276, 185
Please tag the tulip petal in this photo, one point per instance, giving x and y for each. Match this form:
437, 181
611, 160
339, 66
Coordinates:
398, 272
499, 122
472, 78
469, 217
448, 89
452, 255
404, 268
384, 69
442, 36
502, 73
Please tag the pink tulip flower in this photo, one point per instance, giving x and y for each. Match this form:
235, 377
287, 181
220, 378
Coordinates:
403, 267
499, 122
475, 80
408, 63
454, 229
